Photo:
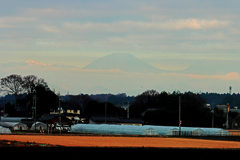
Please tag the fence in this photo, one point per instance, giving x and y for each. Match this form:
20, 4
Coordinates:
191, 133
234, 135
234, 132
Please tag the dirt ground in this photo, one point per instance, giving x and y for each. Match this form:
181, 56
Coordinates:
108, 141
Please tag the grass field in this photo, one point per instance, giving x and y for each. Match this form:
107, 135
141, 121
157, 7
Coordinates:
111, 141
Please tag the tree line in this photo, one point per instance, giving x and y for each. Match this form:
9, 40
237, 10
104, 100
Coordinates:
25, 89
16, 84
153, 107
163, 108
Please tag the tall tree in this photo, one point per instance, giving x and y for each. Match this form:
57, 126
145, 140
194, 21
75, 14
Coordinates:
46, 99
31, 82
12, 85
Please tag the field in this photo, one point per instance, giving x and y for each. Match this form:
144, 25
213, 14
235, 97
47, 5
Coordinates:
115, 141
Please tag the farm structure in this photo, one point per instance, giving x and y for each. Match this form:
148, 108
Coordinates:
14, 125
4, 130
145, 130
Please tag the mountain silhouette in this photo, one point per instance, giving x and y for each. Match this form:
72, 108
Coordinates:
124, 62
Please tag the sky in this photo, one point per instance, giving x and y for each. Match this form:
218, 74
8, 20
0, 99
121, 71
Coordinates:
56, 39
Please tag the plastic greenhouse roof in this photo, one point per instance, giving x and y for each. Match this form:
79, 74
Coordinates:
142, 130
14, 125
13, 119
4, 130
216, 132
38, 125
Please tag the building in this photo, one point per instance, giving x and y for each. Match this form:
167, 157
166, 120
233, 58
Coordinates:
39, 126
4, 130
146, 130
115, 120
55, 120
71, 114
14, 125
14, 119
235, 109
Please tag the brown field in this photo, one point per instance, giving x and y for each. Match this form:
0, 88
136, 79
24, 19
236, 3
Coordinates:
108, 141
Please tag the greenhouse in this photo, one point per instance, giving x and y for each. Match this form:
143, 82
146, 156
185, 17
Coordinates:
122, 129
192, 131
39, 126
14, 125
215, 132
4, 130
112, 129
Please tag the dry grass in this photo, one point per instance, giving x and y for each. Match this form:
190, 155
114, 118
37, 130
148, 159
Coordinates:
105, 141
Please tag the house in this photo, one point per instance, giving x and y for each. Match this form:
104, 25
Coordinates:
222, 107
71, 114
131, 121
54, 120
98, 119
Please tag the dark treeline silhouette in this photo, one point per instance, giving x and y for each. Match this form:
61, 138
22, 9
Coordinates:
118, 99
153, 107
163, 108
218, 99
24, 91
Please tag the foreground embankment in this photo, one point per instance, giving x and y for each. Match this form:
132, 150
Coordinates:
112, 141
116, 147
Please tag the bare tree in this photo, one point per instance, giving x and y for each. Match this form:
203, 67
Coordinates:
12, 85
30, 83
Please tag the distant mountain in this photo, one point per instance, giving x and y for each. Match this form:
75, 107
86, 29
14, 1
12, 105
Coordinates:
124, 62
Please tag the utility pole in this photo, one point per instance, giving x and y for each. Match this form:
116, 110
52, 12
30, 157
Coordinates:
60, 109
227, 116
106, 109
212, 118
35, 109
128, 111
180, 121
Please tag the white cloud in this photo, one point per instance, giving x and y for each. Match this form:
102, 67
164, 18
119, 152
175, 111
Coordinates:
195, 24
14, 22
44, 12
133, 26
229, 76
63, 12
33, 62
50, 29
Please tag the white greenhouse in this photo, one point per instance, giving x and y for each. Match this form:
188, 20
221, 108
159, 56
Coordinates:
39, 126
216, 132
14, 125
112, 129
4, 130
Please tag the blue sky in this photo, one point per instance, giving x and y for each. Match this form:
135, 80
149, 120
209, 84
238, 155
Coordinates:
171, 35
